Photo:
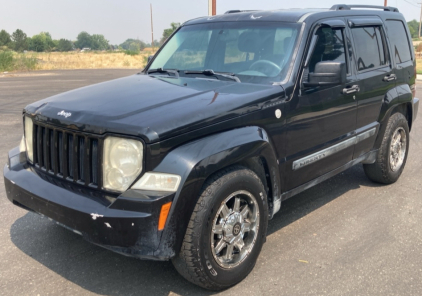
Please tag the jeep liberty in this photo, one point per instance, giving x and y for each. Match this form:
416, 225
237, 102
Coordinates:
189, 159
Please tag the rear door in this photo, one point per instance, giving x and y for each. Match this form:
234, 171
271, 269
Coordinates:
375, 77
401, 55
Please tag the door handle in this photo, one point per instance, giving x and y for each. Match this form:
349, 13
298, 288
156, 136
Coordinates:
390, 77
351, 90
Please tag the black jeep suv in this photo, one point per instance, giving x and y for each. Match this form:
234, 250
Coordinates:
189, 159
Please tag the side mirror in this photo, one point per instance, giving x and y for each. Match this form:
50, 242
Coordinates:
150, 58
327, 73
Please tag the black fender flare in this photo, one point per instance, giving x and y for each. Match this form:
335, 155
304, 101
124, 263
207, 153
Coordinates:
198, 160
398, 98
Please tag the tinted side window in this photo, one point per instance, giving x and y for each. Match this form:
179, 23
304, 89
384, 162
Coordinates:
399, 41
329, 47
370, 50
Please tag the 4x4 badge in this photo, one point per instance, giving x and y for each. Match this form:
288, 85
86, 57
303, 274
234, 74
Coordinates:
65, 114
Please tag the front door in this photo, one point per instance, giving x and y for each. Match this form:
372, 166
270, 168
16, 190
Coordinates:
321, 120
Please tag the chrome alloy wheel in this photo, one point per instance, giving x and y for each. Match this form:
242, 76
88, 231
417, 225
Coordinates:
397, 149
235, 229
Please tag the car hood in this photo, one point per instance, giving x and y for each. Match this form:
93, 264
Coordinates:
152, 107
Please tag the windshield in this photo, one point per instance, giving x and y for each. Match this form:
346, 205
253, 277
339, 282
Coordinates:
257, 52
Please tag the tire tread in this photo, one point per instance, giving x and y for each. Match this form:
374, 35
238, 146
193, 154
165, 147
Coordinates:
186, 262
379, 171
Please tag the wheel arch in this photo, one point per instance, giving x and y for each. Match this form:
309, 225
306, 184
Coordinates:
398, 99
199, 160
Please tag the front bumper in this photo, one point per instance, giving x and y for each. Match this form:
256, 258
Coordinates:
127, 224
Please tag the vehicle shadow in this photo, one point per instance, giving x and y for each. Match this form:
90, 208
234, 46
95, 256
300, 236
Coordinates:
104, 272
310, 200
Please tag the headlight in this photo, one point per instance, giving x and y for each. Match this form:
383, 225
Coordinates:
158, 182
122, 162
29, 126
22, 145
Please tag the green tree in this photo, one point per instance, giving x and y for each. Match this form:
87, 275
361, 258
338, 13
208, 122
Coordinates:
50, 44
55, 43
42, 42
98, 42
38, 43
126, 45
19, 40
167, 32
83, 40
64, 45
413, 28
5, 39
134, 46
159, 43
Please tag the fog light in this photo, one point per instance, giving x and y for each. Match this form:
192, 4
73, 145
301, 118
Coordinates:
13, 161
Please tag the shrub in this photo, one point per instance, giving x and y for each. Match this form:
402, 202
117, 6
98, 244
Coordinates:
419, 48
6, 61
14, 62
131, 52
25, 63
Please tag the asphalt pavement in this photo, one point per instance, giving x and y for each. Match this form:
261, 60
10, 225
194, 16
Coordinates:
346, 236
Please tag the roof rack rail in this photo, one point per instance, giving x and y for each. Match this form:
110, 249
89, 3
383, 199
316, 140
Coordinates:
349, 7
237, 11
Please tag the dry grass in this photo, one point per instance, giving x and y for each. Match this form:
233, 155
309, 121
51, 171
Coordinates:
99, 60
90, 60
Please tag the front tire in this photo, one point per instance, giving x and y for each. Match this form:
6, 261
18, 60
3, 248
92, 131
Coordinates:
392, 154
226, 231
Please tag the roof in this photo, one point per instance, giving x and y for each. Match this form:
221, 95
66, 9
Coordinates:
296, 15
286, 15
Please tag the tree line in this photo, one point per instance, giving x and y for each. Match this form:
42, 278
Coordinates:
413, 28
43, 42
19, 41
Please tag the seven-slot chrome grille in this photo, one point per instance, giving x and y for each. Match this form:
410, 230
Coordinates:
69, 155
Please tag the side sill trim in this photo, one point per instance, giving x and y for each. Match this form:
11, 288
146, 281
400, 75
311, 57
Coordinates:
300, 163
368, 156
310, 159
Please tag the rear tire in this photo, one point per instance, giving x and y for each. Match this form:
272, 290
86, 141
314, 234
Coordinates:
392, 154
226, 231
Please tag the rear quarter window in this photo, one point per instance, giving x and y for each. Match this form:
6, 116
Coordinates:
399, 41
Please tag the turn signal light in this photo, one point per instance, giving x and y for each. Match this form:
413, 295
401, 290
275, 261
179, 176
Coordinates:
165, 209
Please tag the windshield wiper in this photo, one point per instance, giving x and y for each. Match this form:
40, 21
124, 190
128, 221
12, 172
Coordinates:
231, 76
161, 70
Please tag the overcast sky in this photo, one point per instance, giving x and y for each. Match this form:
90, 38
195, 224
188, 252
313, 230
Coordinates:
119, 20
